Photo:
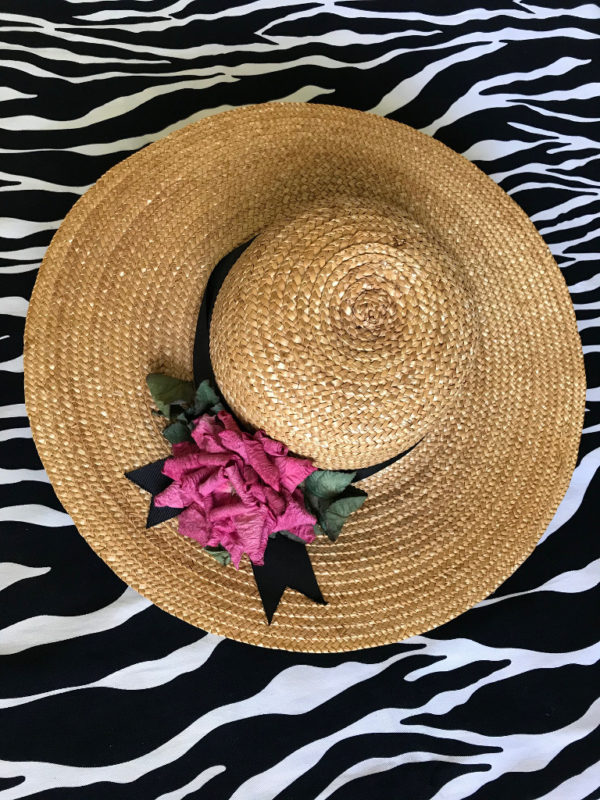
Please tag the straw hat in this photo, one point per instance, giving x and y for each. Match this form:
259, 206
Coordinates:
393, 296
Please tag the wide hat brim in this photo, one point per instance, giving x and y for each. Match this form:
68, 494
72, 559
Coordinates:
118, 296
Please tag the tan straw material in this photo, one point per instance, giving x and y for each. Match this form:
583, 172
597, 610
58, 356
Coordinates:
343, 331
394, 294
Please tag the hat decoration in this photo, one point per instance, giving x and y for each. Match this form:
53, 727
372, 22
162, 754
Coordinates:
239, 493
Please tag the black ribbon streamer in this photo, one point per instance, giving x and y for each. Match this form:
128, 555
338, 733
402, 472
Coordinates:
286, 565
286, 562
150, 479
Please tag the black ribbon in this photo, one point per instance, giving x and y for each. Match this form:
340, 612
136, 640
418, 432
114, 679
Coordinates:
286, 562
286, 565
151, 479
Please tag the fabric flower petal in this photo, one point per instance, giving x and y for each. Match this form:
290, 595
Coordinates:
271, 446
238, 483
253, 529
193, 523
214, 482
171, 497
233, 441
236, 489
305, 532
274, 500
228, 421
207, 425
260, 462
181, 449
177, 466
293, 471
295, 515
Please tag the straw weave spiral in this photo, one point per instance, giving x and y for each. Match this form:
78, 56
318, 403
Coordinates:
343, 331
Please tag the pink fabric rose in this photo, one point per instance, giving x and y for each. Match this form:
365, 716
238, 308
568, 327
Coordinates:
236, 488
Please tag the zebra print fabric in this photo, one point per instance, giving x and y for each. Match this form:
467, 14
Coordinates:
103, 695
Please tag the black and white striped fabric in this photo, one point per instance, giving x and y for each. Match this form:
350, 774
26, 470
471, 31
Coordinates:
103, 695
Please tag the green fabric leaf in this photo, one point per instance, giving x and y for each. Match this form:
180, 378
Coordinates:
335, 515
204, 398
176, 432
164, 409
328, 484
167, 391
219, 554
329, 495
311, 501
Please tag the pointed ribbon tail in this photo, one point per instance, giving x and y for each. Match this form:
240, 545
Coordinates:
151, 479
287, 564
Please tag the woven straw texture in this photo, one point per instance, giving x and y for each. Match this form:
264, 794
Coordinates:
343, 331
394, 294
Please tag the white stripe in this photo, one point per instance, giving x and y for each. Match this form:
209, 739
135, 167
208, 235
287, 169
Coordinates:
14, 365
303, 95
36, 515
61, 54
295, 690
584, 324
537, 750
107, 111
456, 653
568, 224
531, 12
15, 433
46, 629
19, 268
520, 753
410, 87
174, 8
14, 306
13, 573
493, 149
196, 783
586, 285
478, 97
374, 766
6, 93
15, 228
139, 676
563, 248
28, 252
18, 475
577, 787
570, 582
556, 183
459, 652
28, 183
593, 306
16, 410
562, 208
581, 479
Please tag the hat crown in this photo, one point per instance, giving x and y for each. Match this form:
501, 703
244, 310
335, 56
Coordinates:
343, 331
